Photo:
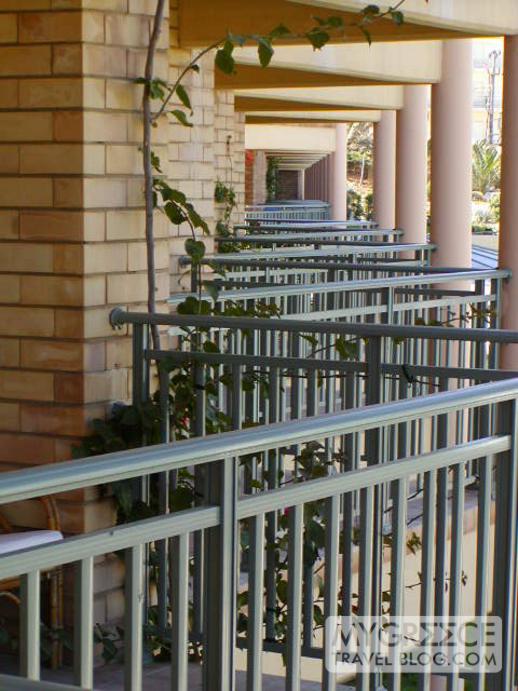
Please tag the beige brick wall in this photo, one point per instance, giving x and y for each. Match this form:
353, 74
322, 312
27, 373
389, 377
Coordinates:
71, 222
213, 149
71, 212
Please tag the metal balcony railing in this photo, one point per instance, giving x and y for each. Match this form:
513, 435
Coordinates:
237, 272
308, 226
356, 554
390, 300
285, 212
309, 234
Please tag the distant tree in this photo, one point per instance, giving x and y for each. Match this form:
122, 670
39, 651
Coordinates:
486, 167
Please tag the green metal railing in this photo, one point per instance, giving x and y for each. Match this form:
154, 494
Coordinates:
229, 510
404, 299
286, 212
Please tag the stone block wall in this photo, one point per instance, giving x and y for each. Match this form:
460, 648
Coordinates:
71, 213
213, 149
71, 223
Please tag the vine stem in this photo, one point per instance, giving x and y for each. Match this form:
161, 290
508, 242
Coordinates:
148, 167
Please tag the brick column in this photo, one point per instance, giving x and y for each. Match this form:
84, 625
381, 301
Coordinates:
71, 223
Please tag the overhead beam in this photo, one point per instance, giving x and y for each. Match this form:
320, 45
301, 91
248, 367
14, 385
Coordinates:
203, 22
336, 65
320, 99
472, 18
315, 117
254, 76
243, 104
293, 141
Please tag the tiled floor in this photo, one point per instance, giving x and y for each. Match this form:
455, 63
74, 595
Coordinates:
156, 678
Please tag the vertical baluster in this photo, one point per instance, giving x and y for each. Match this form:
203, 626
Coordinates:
485, 466
84, 623
457, 530
397, 566
308, 570
331, 581
427, 558
365, 573
271, 519
295, 564
220, 579
134, 619
30, 625
441, 514
254, 681
504, 576
163, 500
179, 585
200, 488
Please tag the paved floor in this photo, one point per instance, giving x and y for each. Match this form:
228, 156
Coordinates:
157, 678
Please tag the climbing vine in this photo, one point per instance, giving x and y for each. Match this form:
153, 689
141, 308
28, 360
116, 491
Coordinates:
131, 426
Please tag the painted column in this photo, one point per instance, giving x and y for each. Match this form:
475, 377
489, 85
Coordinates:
339, 182
508, 243
330, 164
300, 191
451, 157
411, 163
384, 170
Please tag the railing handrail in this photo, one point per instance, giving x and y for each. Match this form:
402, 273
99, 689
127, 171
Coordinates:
276, 290
52, 478
306, 240
193, 519
315, 225
332, 253
119, 317
264, 263
328, 232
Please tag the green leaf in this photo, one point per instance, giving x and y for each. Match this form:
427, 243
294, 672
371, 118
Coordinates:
174, 213
335, 22
318, 38
210, 347
183, 96
280, 31
397, 17
170, 194
195, 218
181, 117
192, 305
195, 249
155, 162
265, 52
212, 290
224, 61
371, 9
157, 89
366, 34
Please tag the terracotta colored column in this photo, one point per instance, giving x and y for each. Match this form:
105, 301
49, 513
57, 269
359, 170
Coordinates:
328, 185
451, 157
508, 246
411, 164
384, 170
301, 184
339, 183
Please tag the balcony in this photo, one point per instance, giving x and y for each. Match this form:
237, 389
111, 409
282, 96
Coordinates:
354, 452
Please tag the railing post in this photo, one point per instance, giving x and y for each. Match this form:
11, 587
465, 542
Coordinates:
163, 500
30, 625
373, 453
220, 580
505, 567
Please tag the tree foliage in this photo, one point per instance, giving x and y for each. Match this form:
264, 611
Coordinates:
486, 167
